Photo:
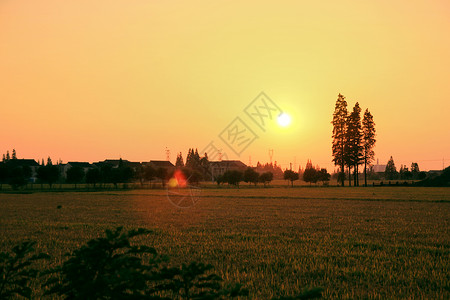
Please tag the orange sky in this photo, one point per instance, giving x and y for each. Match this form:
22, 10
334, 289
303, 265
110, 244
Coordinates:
89, 80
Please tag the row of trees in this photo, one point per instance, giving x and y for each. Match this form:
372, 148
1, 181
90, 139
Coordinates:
251, 176
391, 172
353, 140
234, 177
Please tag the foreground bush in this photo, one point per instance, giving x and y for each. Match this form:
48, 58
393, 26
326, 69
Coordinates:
111, 267
17, 270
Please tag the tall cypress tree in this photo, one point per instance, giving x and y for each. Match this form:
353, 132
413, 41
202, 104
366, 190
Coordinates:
339, 134
368, 126
391, 171
353, 147
189, 158
179, 163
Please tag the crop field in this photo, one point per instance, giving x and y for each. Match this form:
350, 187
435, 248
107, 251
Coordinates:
382, 242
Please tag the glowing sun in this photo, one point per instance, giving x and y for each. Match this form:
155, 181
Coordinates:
284, 119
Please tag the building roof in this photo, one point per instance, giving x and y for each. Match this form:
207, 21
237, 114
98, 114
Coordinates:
133, 164
378, 168
116, 162
23, 162
229, 164
161, 164
79, 164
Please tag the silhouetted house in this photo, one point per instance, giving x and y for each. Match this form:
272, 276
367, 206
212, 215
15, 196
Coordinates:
378, 168
164, 164
71, 164
434, 173
31, 163
217, 168
134, 165
115, 163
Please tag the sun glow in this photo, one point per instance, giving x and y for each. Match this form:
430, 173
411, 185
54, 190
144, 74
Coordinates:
284, 119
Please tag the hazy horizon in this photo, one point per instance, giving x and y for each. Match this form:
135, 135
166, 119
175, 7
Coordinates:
88, 81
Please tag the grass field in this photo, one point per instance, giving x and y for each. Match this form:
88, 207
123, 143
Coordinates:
384, 242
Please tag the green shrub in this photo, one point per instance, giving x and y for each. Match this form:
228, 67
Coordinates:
17, 271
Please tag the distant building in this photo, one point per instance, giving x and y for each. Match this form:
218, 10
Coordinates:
379, 168
71, 164
31, 163
434, 173
219, 167
164, 164
115, 163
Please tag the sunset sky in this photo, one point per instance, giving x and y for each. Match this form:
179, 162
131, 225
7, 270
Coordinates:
90, 80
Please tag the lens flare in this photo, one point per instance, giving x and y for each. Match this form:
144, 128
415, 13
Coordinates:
178, 180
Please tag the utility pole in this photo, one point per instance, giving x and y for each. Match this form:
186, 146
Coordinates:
167, 154
270, 155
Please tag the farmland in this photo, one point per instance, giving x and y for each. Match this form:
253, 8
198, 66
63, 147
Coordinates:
383, 242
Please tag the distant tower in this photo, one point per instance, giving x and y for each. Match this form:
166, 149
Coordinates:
250, 161
220, 155
167, 154
270, 155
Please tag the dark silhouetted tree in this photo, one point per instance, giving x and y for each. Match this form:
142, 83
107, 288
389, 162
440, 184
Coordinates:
205, 166
17, 271
353, 146
4, 174
48, 174
415, 170
323, 176
161, 173
368, 128
251, 176
339, 133
149, 173
193, 159
291, 176
390, 172
179, 163
75, 175
139, 174
310, 173
112, 267
108, 268
93, 176
8, 157
14, 154
18, 177
193, 177
233, 177
266, 178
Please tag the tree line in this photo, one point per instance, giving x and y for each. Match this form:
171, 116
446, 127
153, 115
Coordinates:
391, 172
196, 168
